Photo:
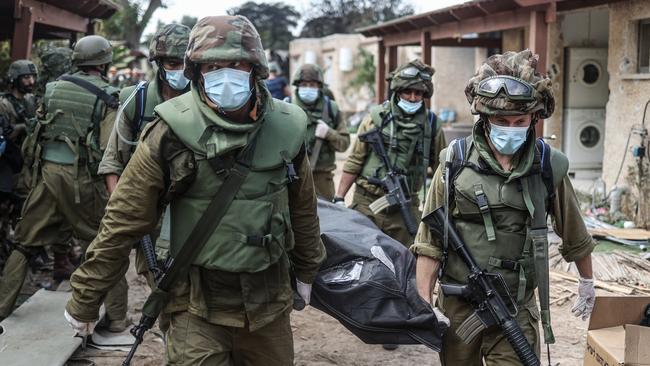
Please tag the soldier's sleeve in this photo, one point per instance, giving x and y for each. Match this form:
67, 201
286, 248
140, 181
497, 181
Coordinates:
339, 138
105, 128
438, 144
132, 211
357, 158
113, 162
568, 223
308, 252
425, 244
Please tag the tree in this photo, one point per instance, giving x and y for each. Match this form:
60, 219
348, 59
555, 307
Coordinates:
272, 21
345, 16
129, 23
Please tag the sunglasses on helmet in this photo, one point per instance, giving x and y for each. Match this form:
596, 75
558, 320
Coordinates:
413, 72
515, 88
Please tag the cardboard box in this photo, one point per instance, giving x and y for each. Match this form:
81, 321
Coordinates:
614, 337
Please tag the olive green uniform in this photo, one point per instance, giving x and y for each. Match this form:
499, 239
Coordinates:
18, 113
213, 313
337, 140
409, 157
67, 198
508, 210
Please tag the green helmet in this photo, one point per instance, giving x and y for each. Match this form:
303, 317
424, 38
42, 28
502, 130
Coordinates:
308, 72
57, 60
225, 38
412, 75
92, 51
170, 41
19, 68
509, 84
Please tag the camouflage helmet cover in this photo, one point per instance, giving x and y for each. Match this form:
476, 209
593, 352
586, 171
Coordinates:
226, 38
422, 82
170, 41
92, 51
19, 68
521, 65
57, 58
308, 72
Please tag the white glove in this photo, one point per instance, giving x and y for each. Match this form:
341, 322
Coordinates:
586, 298
441, 317
304, 290
82, 328
322, 129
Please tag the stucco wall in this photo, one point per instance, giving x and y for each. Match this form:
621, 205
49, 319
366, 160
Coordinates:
629, 91
454, 67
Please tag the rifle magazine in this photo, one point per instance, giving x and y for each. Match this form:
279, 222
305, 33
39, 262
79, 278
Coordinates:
470, 328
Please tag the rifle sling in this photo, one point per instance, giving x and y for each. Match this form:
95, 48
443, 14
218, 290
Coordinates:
109, 100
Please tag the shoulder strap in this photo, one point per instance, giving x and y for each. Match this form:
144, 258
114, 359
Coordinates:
109, 100
546, 170
327, 109
140, 105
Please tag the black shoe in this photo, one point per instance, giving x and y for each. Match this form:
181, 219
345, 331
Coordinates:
390, 346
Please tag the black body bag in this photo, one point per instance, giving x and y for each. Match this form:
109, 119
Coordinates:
367, 283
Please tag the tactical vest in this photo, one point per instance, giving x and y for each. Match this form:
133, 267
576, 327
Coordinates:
256, 231
140, 109
408, 145
325, 110
70, 131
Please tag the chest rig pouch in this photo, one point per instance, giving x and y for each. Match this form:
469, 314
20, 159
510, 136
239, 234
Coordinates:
504, 222
256, 230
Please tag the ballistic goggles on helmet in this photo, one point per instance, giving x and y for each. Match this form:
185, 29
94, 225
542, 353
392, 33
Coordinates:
515, 88
413, 72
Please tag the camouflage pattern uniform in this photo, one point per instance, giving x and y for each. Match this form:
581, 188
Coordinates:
490, 347
67, 198
215, 317
337, 139
363, 162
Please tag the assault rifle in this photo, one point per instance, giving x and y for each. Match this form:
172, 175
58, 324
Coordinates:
394, 184
482, 291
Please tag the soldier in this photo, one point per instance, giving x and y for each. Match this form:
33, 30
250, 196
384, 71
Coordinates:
410, 137
496, 208
67, 197
234, 302
166, 49
56, 62
277, 83
18, 106
326, 132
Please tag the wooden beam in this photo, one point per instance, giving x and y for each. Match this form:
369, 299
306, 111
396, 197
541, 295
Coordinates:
473, 42
392, 58
21, 42
551, 13
425, 43
490, 23
51, 15
538, 43
380, 75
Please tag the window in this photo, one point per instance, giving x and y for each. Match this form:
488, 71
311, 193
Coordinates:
644, 45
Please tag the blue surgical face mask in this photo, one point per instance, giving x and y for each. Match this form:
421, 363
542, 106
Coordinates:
228, 88
176, 79
307, 94
507, 140
409, 107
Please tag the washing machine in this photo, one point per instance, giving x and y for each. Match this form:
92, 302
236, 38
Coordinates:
584, 138
586, 78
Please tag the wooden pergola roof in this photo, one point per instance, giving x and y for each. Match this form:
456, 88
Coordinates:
478, 16
23, 21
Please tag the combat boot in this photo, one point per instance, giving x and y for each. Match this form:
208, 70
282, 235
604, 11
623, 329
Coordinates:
63, 268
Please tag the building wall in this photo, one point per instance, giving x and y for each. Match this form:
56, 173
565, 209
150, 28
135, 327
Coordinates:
629, 90
454, 67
